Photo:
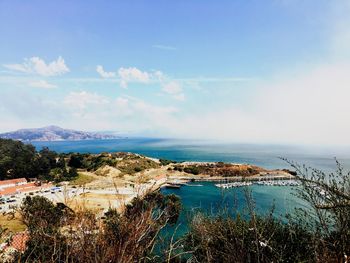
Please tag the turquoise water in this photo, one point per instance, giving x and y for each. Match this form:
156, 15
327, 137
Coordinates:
205, 197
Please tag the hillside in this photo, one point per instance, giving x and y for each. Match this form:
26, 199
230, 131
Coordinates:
54, 133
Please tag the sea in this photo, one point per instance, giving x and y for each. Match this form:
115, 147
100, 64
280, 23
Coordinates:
264, 155
205, 197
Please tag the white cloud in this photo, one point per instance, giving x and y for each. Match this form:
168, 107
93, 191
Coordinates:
124, 113
152, 110
309, 107
25, 108
42, 84
180, 96
18, 67
165, 47
151, 118
122, 102
105, 74
82, 100
174, 89
122, 107
306, 107
158, 75
132, 74
36, 65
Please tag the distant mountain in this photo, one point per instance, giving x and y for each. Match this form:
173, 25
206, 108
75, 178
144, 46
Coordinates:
54, 133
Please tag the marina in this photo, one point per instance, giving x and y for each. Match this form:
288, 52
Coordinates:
262, 183
226, 183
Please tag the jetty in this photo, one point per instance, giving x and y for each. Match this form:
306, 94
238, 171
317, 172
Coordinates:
172, 186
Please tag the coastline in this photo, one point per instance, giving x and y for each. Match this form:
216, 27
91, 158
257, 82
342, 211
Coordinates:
122, 194
113, 186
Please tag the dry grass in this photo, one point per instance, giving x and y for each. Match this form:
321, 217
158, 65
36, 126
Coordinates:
12, 223
108, 171
97, 202
103, 196
83, 179
80, 204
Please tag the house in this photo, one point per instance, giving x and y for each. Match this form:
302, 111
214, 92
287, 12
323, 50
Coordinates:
19, 240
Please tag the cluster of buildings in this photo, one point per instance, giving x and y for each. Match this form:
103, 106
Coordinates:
21, 185
13, 191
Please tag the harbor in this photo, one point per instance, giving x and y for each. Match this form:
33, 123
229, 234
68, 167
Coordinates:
239, 181
263, 183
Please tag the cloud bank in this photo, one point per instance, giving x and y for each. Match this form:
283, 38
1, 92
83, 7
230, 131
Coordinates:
43, 84
36, 65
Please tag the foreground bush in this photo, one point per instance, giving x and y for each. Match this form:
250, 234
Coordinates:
227, 239
57, 234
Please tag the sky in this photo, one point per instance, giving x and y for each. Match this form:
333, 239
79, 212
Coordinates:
249, 71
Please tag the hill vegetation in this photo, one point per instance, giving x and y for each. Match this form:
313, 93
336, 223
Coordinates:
23, 160
220, 169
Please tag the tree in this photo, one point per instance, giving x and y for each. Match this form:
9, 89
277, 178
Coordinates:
16, 159
43, 220
76, 160
72, 173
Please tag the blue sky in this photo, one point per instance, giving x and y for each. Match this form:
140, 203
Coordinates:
249, 71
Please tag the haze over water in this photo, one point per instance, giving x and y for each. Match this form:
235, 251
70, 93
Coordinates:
266, 156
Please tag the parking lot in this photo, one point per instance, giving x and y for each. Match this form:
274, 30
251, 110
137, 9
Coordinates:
55, 194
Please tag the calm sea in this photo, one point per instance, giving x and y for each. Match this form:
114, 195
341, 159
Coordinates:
204, 195
185, 150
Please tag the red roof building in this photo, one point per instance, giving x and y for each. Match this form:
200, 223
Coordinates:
13, 182
21, 186
19, 241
